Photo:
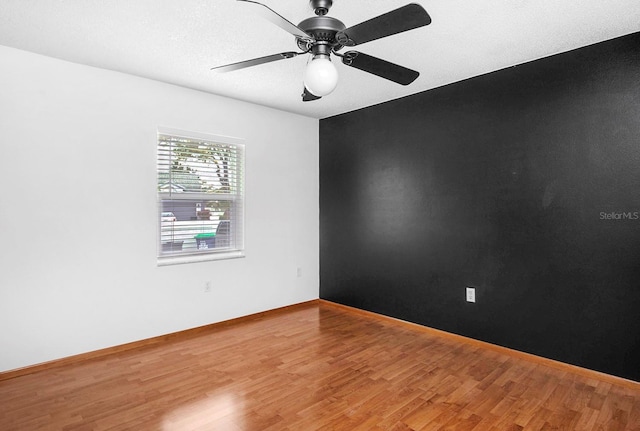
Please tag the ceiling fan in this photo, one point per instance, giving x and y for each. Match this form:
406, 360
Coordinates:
321, 35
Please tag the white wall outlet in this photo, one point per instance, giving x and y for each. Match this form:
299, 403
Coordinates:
471, 294
299, 272
207, 287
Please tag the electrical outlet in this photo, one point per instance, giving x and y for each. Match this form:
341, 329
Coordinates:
207, 287
471, 294
299, 272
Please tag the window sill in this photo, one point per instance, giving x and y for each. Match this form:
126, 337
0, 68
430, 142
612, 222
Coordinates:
195, 258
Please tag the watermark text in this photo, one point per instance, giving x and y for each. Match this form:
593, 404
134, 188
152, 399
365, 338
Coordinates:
628, 215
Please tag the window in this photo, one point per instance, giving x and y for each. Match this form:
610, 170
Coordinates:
200, 197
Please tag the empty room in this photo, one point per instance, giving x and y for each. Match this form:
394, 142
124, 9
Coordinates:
320, 215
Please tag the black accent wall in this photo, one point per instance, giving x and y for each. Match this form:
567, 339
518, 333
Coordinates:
523, 183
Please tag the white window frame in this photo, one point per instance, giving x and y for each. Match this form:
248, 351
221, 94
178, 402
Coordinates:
236, 223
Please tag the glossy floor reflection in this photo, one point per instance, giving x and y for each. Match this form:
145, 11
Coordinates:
223, 411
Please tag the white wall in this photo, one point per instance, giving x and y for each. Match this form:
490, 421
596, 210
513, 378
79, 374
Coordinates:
78, 210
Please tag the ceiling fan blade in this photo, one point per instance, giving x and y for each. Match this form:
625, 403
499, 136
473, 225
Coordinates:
269, 14
255, 61
379, 67
307, 96
402, 19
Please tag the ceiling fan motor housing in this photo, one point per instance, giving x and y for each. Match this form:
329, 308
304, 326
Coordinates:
323, 29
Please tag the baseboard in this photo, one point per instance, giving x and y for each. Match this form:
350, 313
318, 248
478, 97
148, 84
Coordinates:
187, 333
585, 372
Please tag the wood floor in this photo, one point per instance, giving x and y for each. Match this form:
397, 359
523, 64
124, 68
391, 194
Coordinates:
315, 367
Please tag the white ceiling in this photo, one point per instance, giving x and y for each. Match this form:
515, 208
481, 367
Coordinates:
179, 41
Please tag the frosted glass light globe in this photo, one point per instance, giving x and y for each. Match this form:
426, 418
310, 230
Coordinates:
321, 76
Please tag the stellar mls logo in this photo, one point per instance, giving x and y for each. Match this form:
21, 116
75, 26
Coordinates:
629, 215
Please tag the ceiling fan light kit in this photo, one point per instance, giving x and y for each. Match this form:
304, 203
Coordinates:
321, 36
320, 76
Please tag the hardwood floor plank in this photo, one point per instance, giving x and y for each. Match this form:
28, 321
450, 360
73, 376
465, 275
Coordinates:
316, 367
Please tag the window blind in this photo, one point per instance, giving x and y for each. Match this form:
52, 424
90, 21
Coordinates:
200, 190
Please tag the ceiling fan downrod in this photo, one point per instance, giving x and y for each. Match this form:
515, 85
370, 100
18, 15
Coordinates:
320, 7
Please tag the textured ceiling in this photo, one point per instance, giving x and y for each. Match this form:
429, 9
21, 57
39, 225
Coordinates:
179, 41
